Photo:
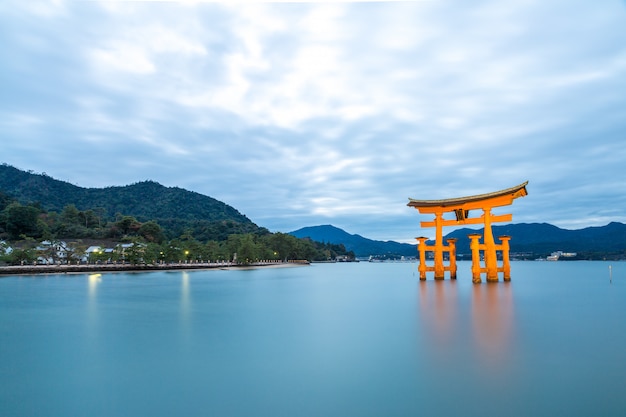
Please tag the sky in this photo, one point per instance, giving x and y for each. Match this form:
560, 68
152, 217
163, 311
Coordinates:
308, 113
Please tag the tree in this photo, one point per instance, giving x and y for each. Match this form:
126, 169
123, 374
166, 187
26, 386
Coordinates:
5, 251
279, 243
231, 246
42, 228
98, 256
70, 215
152, 253
247, 251
20, 220
24, 255
172, 251
88, 218
5, 200
214, 251
21, 256
75, 252
134, 251
152, 232
128, 225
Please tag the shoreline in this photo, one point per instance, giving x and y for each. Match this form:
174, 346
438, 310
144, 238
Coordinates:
85, 269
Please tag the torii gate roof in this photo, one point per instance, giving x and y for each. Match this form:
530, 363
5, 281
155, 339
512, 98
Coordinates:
498, 198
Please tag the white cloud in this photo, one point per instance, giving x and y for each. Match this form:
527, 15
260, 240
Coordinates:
122, 57
301, 111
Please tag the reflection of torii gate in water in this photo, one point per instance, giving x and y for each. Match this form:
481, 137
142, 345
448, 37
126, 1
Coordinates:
461, 207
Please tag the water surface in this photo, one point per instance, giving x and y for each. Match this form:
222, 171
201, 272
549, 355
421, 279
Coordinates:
366, 339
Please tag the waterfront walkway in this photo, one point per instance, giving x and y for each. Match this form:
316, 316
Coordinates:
98, 268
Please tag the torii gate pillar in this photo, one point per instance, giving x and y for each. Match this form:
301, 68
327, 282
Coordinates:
461, 208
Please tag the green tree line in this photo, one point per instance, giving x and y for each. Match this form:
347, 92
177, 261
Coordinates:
151, 242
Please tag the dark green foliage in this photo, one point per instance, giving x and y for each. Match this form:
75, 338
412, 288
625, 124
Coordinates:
25, 256
248, 251
18, 220
173, 208
135, 252
161, 224
242, 248
208, 230
5, 200
28, 187
127, 225
151, 232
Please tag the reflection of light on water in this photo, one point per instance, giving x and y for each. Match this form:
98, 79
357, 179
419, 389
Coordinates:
448, 321
185, 302
94, 280
492, 321
185, 310
438, 304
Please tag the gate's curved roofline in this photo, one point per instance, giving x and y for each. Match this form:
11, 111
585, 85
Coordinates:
513, 192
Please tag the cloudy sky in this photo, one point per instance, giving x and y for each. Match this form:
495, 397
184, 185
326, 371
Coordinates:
306, 113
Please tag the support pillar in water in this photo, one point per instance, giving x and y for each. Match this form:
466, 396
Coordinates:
452, 256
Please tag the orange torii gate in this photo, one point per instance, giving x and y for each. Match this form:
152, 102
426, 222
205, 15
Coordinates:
461, 207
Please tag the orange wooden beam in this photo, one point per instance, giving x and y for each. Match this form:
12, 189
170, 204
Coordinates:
476, 220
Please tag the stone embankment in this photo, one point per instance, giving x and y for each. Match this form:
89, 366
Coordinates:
98, 268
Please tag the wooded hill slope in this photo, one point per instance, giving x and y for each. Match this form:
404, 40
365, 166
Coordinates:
175, 209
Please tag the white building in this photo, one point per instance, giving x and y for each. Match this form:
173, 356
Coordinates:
53, 252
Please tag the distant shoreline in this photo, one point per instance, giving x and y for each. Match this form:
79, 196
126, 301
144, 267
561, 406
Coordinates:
84, 269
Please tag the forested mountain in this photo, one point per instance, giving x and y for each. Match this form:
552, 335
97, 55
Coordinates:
544, 238
360, 245
528, 240
173, 208
39, 215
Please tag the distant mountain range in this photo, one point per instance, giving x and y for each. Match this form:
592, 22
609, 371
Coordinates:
544, 238
527, 240
358, 244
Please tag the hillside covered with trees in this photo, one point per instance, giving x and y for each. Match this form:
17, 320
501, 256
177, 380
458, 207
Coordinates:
168, 224
175, 209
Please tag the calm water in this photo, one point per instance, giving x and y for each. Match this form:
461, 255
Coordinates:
366, 339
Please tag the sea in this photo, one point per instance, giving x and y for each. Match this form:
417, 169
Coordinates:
343, 339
